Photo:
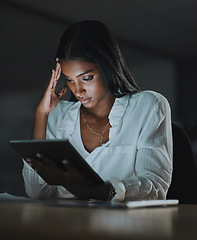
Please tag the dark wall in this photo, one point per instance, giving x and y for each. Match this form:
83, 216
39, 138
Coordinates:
28, 45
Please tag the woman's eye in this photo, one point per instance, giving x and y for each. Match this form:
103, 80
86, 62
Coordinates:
88, 78
68, 79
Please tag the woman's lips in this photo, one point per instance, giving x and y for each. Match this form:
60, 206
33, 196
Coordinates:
85, 100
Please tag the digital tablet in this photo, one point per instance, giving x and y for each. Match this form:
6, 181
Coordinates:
56, 150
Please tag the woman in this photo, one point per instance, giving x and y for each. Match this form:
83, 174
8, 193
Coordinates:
123, 133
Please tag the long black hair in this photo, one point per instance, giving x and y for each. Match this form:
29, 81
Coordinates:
92, 41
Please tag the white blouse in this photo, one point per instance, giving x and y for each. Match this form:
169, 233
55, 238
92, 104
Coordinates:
137, 159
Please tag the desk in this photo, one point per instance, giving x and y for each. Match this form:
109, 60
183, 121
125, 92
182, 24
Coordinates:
33, 221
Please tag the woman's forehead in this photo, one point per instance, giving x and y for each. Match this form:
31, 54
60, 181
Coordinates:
77, 68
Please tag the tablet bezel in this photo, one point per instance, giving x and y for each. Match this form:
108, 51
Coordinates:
57, 150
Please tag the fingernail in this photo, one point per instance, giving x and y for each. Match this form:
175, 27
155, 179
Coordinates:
57, 59
52, 70
64, 161
38, 155
28, 160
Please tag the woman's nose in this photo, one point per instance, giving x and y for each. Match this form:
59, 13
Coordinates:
79, 90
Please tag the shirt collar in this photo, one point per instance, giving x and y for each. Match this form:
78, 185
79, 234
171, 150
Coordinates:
118, 110
69, 120
115, 116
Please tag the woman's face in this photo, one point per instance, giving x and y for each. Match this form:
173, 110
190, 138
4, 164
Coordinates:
86, 82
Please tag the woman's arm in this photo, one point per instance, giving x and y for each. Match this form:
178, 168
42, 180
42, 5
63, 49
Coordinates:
48, 102
153, 165
40, 123
152, 161
152, 178
35, 186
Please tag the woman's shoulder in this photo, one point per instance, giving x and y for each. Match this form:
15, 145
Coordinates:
149, 97
147, 103
62, 108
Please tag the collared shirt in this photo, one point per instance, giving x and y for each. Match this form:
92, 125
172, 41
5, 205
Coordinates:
138, 153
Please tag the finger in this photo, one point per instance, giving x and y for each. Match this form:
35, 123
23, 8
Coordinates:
35, 164
44, 159
58, 71
55, 76
69, 166
61, 93
31, 161
52, 79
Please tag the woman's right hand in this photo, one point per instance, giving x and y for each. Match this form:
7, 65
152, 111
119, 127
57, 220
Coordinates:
48, 102
50, 99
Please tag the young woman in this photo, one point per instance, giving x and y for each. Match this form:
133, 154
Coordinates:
123, 133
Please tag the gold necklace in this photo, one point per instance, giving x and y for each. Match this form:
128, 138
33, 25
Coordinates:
99, 134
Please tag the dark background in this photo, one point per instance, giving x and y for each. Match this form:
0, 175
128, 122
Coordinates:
157, 38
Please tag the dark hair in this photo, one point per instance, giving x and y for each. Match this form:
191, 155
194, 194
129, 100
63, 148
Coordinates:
92, 41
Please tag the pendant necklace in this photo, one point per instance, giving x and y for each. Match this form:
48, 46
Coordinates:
99, 134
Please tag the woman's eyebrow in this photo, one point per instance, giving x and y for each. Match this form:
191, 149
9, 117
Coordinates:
84, 72
81, 73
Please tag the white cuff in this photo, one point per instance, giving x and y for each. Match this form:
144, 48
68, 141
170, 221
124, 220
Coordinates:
119, 189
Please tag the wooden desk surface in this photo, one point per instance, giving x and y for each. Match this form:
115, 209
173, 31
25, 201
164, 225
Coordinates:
39, 221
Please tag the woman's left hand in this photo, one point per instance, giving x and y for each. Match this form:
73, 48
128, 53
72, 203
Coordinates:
71, 179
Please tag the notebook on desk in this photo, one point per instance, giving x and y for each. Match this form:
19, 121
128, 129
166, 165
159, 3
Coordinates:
151, 203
